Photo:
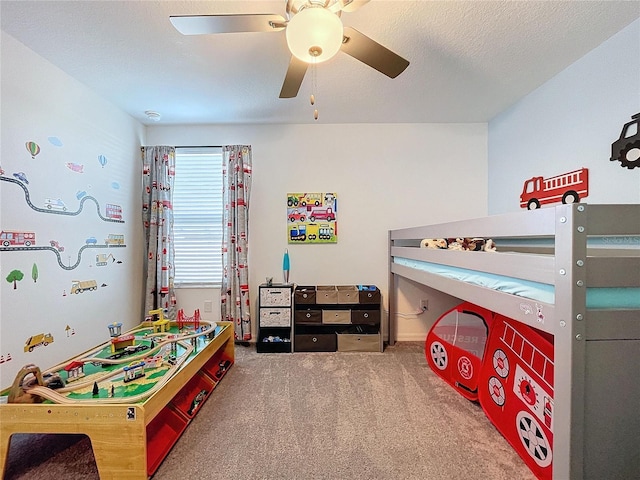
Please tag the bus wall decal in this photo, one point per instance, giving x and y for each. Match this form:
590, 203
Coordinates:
570, 187
626, 149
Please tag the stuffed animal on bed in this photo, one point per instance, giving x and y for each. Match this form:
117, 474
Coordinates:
434, 243
462, 244
471, 244
489, 246
454, 243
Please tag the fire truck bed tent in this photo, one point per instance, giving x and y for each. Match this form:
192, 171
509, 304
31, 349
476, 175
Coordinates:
575, 250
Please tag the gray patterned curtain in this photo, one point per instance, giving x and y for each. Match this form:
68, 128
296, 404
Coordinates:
234, 295
157, 216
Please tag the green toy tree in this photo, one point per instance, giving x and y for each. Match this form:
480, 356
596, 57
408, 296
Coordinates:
34, 273
15, 276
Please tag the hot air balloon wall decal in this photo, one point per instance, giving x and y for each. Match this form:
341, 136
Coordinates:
33, 148
103, 160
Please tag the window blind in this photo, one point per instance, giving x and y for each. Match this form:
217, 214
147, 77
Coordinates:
197, 217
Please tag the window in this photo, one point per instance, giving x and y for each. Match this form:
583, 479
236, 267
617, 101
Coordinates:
197, 217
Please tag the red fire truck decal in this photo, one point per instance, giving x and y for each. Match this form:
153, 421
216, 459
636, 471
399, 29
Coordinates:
17, 238
569, 187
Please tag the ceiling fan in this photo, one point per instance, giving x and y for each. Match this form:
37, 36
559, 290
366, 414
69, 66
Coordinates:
314, 34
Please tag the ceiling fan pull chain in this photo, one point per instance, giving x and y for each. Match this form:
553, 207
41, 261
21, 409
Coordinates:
314, 88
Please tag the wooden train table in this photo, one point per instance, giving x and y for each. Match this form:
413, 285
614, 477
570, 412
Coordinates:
132, 396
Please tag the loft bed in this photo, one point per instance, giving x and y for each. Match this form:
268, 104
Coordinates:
572, 271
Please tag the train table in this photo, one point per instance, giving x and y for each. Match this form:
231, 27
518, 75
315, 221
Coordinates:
132, 396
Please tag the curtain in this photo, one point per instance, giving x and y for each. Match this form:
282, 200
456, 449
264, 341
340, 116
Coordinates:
234, 295
157, 215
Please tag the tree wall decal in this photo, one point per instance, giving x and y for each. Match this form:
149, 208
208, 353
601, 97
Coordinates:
15, 276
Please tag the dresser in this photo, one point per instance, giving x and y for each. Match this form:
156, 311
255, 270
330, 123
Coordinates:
343, 318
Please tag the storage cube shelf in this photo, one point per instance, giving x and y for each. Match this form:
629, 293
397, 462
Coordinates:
330, 318
274, 319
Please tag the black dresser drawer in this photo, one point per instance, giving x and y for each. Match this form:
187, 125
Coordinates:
305, 295
367, 317
308, 316
370, 295
321, 342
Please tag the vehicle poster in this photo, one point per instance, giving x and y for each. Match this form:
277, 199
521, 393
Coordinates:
312, 218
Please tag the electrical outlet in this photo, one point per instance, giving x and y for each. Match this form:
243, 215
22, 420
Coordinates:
424, 305
208, 306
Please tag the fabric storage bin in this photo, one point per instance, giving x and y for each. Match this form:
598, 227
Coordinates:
336, 316
308, 316
347, 294
320, 342
369, 317
274, 340
369, 294
275, 297
275, 317
358, 343
326, 294
305, 295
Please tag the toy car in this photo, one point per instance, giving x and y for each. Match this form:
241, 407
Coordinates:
55, 204
53, 380
22, 177
296, 216
56, 245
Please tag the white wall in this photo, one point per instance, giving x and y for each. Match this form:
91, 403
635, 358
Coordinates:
40, 102
385, 176
568, 123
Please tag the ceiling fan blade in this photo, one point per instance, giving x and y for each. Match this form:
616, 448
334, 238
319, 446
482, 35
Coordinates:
293, 79
204, 24
353, 5
368, 51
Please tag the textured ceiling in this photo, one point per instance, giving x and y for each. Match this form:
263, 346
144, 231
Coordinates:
469, 59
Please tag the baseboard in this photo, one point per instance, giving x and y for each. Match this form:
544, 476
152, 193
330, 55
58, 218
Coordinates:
411, 337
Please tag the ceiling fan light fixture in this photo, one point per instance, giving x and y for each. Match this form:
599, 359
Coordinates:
314, 34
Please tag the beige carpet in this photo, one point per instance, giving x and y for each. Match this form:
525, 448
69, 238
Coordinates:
329, 416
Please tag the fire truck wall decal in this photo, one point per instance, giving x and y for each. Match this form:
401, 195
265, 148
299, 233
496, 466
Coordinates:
312, 218
570, 187
626, 149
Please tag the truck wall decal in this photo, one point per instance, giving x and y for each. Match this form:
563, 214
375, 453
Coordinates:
570, 187
626, 149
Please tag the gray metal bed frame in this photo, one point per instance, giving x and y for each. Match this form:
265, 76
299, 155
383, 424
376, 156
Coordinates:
596, 352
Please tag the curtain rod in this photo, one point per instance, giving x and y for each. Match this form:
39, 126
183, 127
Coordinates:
190, 146
198, 146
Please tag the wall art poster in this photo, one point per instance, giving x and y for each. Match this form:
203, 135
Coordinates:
312, 218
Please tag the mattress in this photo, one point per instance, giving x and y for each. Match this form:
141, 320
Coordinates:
597, 298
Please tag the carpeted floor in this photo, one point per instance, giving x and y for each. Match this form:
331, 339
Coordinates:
329, 416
